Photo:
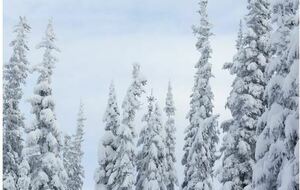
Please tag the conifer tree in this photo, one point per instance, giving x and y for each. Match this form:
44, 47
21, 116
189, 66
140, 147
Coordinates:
246, 101
123, 172
14, 73
72, 154
78, 176
151, 160
24, 179
229, 144
44, 143
112, 125
201, 134
68, 156
276, 153
170, 141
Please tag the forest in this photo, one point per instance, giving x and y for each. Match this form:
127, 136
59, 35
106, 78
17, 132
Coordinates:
257, 148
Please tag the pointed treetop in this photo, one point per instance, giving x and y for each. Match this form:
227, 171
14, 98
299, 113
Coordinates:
203, 14
22, 24
81, 115
112, 109
169, 86
136, 70
112, 84
202, 3
112, 88
169, 108
49, 39
18, 63
45, 68
203, 32
21, 29
112, 93
112, 101
49, 31
136, 74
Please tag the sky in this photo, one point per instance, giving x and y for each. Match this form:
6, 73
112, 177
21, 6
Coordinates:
100, 40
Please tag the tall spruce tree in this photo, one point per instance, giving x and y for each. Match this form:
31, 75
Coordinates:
151, 159
123, 171
77, 176
276, 152
72, 154
229, 145
14, 73
170, 141
107, 156
201, 134
68, 156
44, 143
246, 101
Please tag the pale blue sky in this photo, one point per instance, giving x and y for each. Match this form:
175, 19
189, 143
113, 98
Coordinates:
99, 41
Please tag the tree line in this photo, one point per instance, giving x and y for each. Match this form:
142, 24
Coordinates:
259, 149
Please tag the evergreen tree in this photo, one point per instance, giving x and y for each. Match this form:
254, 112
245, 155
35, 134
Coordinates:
229, 144
68, 156
24, 179
72, 154
14, 73
170, 141
151, 160
246, 101
201, 134
123, 171
44, 143
112, 125
276, 152
78, 176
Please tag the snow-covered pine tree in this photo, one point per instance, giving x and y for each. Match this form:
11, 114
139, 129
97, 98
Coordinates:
246, 101
123, 171
14, 74
151, 159
170, 141
106, 157
44, 143
277, 146
72, 154
78, 175
201, 134
24, 178
229, 144
68, 156
291, 95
